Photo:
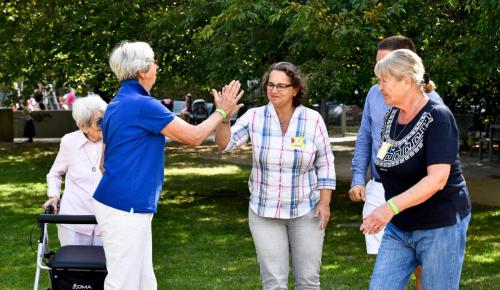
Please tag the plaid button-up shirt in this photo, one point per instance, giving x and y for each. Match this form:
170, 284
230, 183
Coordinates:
288, 168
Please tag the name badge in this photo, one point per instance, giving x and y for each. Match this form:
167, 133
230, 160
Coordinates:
382, 151
298, 143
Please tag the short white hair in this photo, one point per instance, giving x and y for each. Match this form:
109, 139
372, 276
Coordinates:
130, 58
86, 107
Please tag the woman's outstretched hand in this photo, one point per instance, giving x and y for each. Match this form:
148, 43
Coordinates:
228, 98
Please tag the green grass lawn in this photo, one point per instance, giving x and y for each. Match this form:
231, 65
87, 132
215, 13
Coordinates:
201, 237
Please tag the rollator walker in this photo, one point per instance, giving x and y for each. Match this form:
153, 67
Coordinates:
70, 267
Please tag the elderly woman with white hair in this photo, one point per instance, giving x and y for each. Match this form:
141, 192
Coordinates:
428, 207
134, 130
78, 159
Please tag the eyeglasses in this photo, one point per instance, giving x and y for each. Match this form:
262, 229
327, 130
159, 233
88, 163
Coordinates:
98, 122
152, 60
279, 87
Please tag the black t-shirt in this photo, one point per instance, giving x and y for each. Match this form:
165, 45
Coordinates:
430, 138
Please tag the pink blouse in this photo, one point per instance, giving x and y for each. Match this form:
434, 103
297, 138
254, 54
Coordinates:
78, 159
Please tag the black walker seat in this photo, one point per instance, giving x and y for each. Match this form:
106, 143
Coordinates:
74, 266
79, 257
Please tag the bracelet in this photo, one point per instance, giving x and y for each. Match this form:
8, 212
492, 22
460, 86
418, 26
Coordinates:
393, 206
222, 113
325, 204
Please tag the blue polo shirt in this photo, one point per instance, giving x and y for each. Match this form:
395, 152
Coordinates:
134, 152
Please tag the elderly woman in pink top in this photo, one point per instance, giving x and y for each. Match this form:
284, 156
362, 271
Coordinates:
78, 159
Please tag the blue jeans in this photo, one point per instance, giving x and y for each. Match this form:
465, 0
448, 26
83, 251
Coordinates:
439, 251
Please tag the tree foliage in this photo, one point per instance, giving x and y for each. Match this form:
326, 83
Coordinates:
203, 44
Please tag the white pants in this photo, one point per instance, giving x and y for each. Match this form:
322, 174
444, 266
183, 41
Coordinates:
128, 248
374, 197
70, 237
275, 239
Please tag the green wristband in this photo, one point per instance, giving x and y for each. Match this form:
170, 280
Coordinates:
223, 113
393, 206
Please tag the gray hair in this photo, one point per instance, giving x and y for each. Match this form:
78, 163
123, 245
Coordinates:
130, 58
85, 108
404, 62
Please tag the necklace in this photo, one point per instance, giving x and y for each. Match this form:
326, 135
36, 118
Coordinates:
88, 158
418, 108
395, 138
389, 142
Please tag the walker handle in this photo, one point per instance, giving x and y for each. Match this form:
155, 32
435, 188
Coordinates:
66, 219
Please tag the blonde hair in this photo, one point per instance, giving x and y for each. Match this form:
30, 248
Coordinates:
404, 62
130, 58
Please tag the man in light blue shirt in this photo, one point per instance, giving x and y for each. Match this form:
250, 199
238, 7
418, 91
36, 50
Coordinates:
368, 144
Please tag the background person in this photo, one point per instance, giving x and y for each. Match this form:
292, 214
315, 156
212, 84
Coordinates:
68, 99
38, 95
78, 160
186, 112
168, 103
134, 130
428, 205
291, 182
29, 130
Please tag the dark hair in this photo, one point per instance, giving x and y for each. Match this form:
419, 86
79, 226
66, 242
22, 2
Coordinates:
396, 42
296, 78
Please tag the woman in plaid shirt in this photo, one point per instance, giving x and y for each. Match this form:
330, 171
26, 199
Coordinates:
292, 179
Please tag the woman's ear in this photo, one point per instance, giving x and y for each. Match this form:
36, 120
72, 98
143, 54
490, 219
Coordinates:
140, 75
84, 129
408, 82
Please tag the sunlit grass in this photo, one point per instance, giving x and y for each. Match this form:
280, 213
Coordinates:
203, 171
201, 238
485, 259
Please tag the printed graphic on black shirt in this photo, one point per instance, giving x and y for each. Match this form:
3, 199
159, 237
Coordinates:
402, 150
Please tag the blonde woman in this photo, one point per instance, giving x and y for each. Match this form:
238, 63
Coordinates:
428, 206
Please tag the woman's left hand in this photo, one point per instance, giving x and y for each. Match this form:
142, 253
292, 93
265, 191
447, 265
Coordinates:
322, 211
377, 220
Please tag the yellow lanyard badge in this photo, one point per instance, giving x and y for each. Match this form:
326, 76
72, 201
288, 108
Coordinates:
298, 143
382, 151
